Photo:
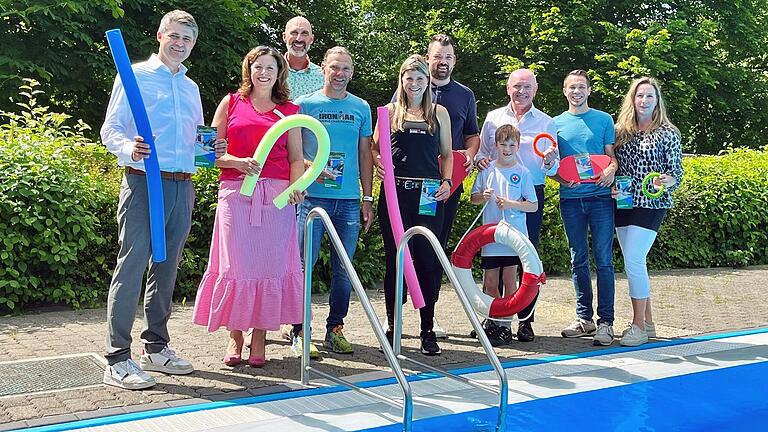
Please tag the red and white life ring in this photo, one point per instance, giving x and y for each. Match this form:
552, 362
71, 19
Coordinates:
533, 271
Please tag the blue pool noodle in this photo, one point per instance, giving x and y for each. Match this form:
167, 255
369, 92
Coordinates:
151, 164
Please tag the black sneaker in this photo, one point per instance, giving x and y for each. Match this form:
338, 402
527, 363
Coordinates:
525, 332
493, 331
390, 334
504, 336
485, 323
429, 344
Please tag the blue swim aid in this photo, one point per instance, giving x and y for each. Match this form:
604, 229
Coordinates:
151, 164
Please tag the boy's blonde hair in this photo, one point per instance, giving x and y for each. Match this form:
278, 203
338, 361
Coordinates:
507, 132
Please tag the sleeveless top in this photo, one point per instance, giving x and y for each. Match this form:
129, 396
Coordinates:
245, 129
415, 150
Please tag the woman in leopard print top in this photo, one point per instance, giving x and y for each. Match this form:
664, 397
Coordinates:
646, 141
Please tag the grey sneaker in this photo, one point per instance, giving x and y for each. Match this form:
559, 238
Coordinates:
166, 361
634, 336
127, 375
578, 328
604, 335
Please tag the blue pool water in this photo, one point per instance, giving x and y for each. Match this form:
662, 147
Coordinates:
729, 399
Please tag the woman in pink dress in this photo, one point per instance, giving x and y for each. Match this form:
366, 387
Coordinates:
254, 276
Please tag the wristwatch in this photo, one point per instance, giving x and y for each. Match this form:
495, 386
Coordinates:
449, 181
367, 198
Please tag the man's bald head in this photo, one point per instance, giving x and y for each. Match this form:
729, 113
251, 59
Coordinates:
298, 20
521, 88
298, 36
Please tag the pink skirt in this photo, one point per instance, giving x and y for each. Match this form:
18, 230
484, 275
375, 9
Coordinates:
254, 277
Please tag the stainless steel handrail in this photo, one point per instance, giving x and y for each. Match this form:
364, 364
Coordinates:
306, 368
502, 390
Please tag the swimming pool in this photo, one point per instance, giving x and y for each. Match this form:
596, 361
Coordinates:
707, 383
729, 399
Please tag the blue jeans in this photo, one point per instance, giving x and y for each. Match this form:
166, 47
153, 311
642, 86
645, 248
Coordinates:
345, 215
593, 215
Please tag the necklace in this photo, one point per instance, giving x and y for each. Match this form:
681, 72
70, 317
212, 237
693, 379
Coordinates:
418, 111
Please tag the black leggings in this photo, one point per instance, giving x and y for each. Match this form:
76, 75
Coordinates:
428, 269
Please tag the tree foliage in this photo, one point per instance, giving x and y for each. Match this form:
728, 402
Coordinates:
62, 43
710, 55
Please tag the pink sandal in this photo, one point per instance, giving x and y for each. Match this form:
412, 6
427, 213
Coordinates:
236, 358
256, 361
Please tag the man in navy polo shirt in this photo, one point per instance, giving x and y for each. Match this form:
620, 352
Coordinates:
460, 102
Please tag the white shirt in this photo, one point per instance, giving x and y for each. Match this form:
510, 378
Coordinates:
531, 124
513, 183
174, 110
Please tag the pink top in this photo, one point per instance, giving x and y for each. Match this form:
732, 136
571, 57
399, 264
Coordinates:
245, 128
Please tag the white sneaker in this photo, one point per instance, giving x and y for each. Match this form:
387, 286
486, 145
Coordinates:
650, 329
298, 348
634, 336
127, 375
166, 361
439, 331
286, 331
578, 328
604, 335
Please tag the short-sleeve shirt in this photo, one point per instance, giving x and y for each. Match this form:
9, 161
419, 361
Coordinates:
306, 81
347, 120
530, 124
512, 183
461, 105
246, 127
588, 132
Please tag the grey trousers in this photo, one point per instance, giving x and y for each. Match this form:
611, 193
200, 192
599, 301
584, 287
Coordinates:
134, 258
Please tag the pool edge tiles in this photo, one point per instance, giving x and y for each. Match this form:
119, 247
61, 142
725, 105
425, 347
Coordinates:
143, 415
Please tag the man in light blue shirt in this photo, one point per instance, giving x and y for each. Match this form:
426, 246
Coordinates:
348, 121
587, 208
304, 77
174, 109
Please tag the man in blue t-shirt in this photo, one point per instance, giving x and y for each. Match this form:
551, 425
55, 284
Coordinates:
461, 105
587, 208
348, 121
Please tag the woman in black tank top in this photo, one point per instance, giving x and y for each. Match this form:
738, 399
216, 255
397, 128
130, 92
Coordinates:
420, 132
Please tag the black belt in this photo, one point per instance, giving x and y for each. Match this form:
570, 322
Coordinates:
408, 184
167, 175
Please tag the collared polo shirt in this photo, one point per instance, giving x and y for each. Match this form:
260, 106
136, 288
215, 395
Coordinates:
305, 81
460, 102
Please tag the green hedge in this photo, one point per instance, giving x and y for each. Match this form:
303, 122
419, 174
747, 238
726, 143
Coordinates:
58, 195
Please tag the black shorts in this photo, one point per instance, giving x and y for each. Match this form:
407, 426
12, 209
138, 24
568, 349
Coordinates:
643, 217
492, 262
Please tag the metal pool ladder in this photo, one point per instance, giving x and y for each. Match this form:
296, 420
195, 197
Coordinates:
306, 368
502, 389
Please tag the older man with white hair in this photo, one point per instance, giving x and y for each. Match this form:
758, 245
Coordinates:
520, 112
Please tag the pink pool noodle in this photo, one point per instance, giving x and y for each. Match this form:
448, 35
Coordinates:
393, 208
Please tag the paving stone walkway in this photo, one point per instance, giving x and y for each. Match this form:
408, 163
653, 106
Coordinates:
686, 302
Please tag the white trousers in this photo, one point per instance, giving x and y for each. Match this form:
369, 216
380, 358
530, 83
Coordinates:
635, 244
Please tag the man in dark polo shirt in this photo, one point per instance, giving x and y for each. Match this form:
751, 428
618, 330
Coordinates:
460, 102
